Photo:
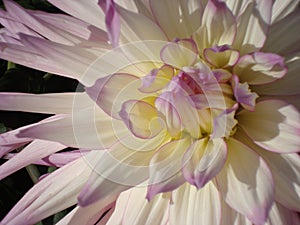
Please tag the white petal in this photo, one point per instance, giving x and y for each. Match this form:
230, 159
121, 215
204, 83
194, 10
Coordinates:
282, 216
88, 11
246, 182
282, 37
165, 167
133, 208
287, 85
203, 160
192, 206
60, 103
52, 194
282, 8
179, 18
36, 150
274, 125
90, 128
253, 23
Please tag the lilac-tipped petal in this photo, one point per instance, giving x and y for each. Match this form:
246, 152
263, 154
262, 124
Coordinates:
54, 193
274, 125
243, 95
112, 91
34, 151
112, 20
179, 53
165, 167
260, 68
203, 161
249, 189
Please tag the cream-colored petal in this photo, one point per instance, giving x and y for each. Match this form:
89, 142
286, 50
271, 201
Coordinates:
253, 23
246, 182
177, 18
280, 215
274, 125
192, 206
282, 8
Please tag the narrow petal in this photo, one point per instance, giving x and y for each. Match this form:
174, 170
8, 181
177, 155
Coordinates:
61, 103
112, 21
203, 161
179, 18
282, 8
52, 194
218, 26
89, 11
282, 38
133, 208
287, 85
253, 23
260, 68
179, 53
90, 128
274, 125
246, 182
192, 206
165, 167
36, 150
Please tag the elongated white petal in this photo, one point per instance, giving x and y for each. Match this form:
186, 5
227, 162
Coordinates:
89, 215
274, 125
36, 150
253, 23
89, 128
52, 194
61, 103
179, 18
165, 167
203, 160
246, 182
192, 206
88, 11
133, 208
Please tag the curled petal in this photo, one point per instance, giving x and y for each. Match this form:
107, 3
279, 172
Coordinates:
260, 68
221, 57
274, 125
157, 79
249, 189
141, 118
203, 160
243, 94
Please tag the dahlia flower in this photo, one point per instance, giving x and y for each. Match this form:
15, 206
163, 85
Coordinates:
190, 112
